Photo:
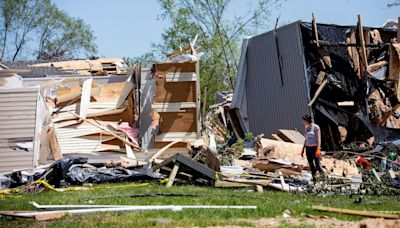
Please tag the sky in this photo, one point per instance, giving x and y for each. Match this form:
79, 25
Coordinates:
127, 28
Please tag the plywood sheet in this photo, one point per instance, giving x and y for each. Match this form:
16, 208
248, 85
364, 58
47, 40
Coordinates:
167, 92
178, 121
163, 68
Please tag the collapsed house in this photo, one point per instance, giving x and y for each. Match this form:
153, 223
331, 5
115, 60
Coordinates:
39, 101
346, 76
97, 109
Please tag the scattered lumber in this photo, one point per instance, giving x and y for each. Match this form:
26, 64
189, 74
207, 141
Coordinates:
292, 136
355, 212
86, 116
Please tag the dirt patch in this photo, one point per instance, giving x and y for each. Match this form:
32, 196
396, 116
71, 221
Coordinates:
327, 222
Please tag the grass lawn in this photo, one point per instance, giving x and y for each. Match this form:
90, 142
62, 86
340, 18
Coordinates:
273, 205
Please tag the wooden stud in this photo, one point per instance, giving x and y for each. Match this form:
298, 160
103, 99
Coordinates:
362, 45
398, 30
355, 212
315, 31
172, 175
55, 149
129, 151
85, 98
203, 114
319, 90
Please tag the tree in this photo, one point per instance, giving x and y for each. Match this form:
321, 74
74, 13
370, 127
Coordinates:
65, 38
219, 35
10, 10
143, 60
29, 16
394, 3
41, 24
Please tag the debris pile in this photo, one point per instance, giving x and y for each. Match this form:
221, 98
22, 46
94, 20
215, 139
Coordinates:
91, 119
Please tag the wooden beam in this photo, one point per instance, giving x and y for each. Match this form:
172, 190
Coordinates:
319, 90
55, 149
129, 151
85, 98
203, 114
355, 212
172, 175
314, 28
362, 45
162, 150
398, 30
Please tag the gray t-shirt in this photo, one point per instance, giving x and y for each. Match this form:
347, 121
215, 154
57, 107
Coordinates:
311, 135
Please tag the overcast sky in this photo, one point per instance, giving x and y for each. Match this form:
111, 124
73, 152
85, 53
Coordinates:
129, 27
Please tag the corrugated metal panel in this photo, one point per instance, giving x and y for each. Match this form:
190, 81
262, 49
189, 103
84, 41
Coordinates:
17, 125
275, 82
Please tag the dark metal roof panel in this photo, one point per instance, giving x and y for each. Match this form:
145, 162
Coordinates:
276, 89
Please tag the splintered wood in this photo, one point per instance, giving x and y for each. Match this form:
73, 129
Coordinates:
87, 119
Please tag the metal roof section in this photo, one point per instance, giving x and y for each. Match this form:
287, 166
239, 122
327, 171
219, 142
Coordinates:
273, 86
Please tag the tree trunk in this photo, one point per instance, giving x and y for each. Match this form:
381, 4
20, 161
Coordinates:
18, 49
4, 42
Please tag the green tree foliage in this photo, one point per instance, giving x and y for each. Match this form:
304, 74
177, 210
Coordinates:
144, 60
219, 35
394, 3
41, 24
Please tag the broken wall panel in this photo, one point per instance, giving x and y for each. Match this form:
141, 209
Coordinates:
176, 102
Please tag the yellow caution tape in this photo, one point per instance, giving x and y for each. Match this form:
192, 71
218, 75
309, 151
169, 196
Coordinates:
163, 181
47, 185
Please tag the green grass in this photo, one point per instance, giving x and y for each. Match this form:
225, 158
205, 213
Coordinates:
273, 205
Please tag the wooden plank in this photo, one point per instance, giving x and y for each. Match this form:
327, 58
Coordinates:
292, 135
251, 182
362, 45
315, 31
355, 58
276, 137
85, 98
178, 121
319, 90
129, 151
398, 30
110, 92
125, 92
204, 106
228, 184
172, 175
355, 212
54, 145
163, 68
174, 92
162, 150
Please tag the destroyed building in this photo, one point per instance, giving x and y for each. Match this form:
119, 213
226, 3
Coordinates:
31, 92
345, 76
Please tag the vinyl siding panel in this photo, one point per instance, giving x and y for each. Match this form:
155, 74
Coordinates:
17, 125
